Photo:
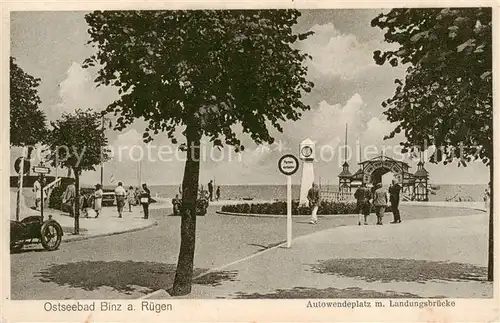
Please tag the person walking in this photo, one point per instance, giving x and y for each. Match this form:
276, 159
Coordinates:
68, 198
37, 191
487, 197
394, 191
380, 202
313, 198
217, 193
98, 199
131, 198
83, 204
176, 204
145, 199
363, 196
211, 190
120, 198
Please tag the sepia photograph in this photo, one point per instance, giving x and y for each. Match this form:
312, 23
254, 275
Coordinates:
336, 156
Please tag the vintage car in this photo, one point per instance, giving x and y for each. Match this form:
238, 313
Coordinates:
33, 230
108, 199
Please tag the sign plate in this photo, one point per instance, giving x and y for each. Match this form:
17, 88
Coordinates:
288, 164
26, 166
41, 170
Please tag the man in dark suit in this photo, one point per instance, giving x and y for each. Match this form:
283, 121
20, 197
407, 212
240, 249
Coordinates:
211, 191
394, 191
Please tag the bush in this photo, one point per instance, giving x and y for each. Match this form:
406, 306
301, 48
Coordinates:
55, 200
279, 208
56, 197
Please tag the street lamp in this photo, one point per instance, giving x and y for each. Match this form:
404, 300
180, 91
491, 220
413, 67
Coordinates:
103, 119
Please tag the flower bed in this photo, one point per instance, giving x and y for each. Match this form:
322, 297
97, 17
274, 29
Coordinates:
279, 208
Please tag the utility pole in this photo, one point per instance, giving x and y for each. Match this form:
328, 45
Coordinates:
102, 165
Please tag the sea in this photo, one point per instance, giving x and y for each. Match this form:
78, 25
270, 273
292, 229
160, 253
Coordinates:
444, 192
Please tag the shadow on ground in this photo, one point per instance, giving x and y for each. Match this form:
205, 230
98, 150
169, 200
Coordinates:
305, 292
125, 276
403, 270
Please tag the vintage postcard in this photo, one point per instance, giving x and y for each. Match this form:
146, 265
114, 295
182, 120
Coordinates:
294, 161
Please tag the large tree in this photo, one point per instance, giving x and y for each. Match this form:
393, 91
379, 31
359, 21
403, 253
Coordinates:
77, 141
27, 120
204, 71
445, 98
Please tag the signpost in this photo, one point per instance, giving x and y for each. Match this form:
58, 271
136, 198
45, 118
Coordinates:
41, 170
288, 165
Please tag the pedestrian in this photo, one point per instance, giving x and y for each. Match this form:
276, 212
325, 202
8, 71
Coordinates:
176, 204
313, 198
37, 191
363, 196
98, 199
217, 193
120, 198
137, 195
131, 198
394, 191
68, 198
83, 204
487, 197
380, 202
145, 199
211, 190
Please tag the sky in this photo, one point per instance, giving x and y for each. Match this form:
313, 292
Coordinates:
349, 89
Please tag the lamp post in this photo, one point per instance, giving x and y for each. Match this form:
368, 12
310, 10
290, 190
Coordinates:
103, 119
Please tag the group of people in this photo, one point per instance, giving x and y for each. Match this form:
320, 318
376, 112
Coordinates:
211, 191
93, 201
377, 196
132, 197
380, 198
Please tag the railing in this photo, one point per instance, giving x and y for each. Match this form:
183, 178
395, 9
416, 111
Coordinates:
336, 196
49, 188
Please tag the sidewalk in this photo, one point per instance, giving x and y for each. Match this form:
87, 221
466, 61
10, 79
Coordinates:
435, 257
106, 224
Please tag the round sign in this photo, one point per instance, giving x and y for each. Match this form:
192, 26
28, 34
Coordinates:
307, 151
26, 166
288, 164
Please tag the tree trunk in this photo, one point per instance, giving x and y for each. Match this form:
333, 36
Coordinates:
184, 272
491, 228
77, 201
30, 151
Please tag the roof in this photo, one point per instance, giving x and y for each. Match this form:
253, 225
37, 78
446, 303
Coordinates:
345, 173
307, 142
358, 175
421, 173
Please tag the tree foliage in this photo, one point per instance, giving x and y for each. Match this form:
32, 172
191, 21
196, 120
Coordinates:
77, 141
204, 71
214, 68
27, 120
446, 96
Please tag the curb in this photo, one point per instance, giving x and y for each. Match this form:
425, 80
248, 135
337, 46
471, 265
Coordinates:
100, 235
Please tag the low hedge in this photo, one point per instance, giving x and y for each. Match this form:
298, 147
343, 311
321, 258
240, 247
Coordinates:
279, 208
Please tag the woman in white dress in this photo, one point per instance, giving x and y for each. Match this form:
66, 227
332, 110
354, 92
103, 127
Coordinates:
98, 199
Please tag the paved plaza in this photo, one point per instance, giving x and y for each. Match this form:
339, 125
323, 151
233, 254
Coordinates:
243, 257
